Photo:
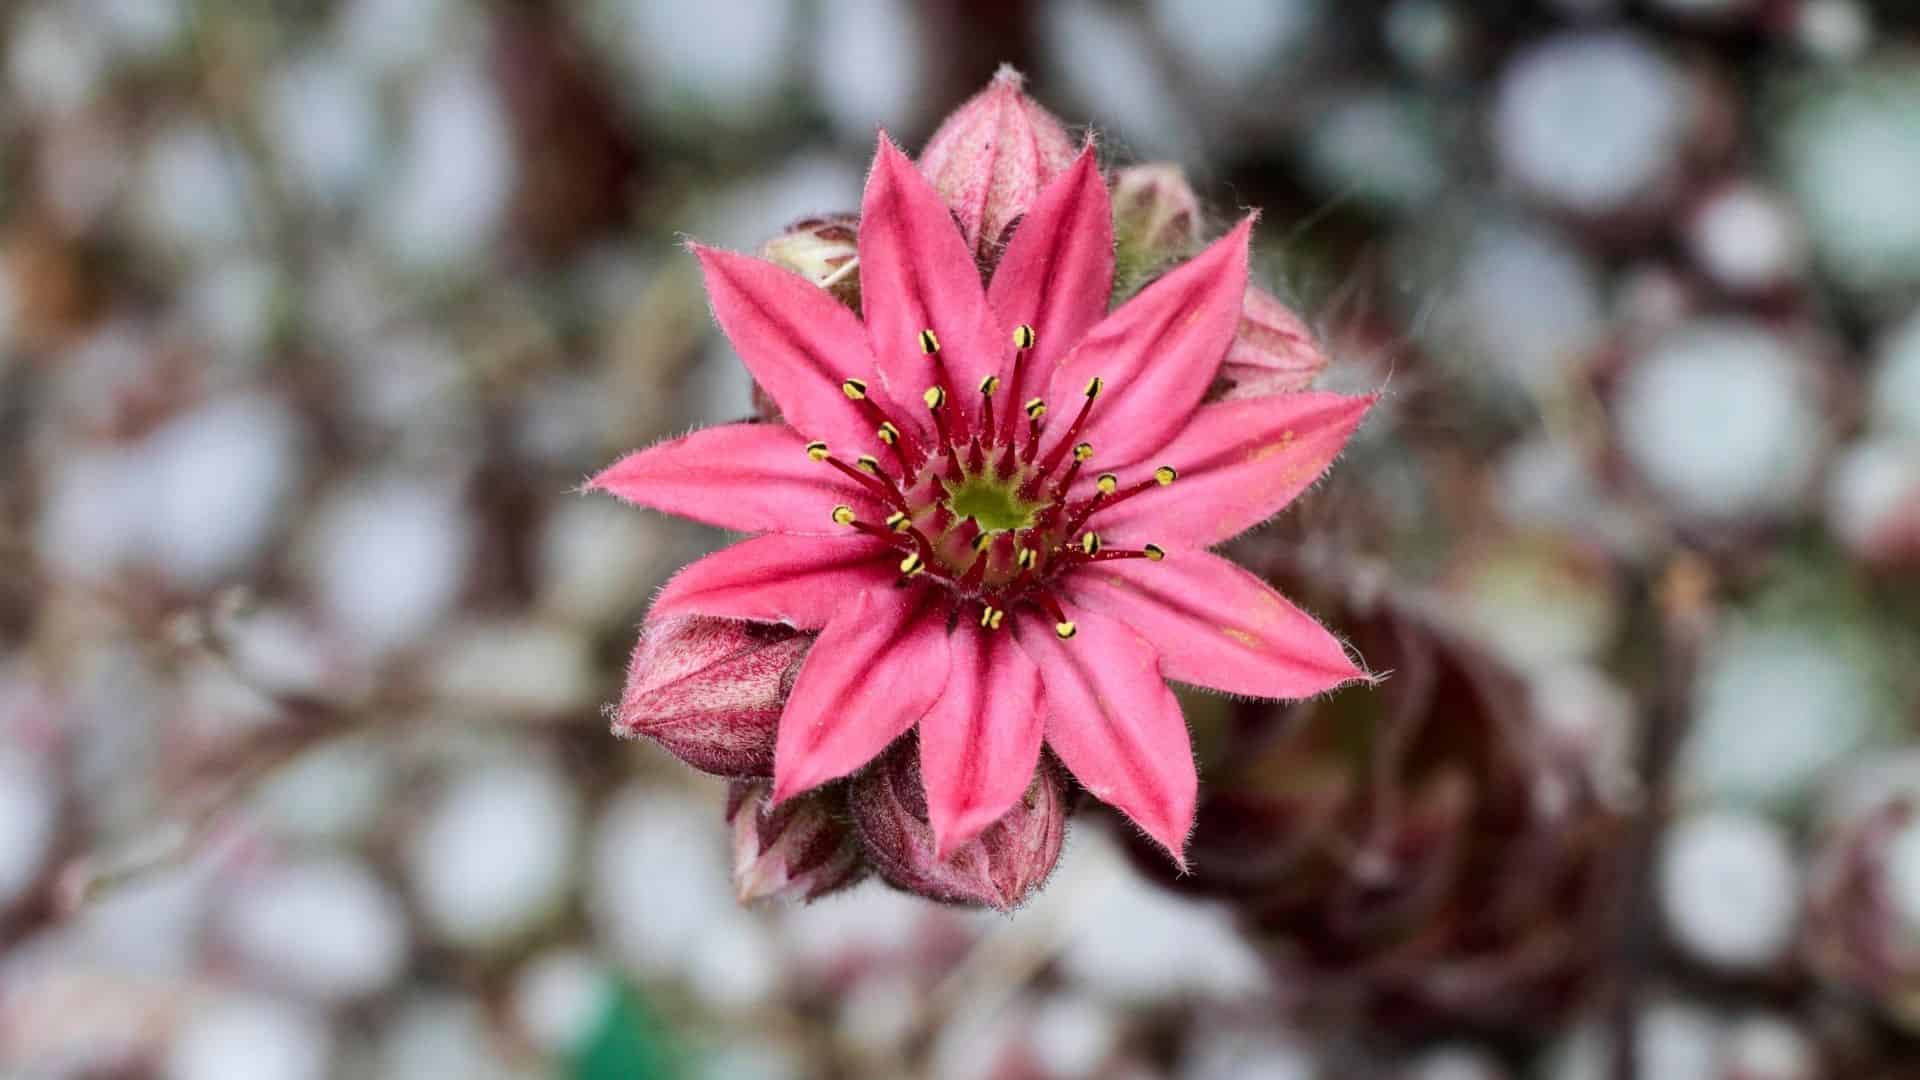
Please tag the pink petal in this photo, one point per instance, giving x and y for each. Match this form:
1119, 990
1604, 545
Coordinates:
1214, 624
979, 744
800, 344
878, 666
1157, 354
746, 477
992, 154
917, 273
1239, 463
1057, 272
1114, 723
786, 579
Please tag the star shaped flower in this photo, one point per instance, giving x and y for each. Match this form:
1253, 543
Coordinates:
994, 503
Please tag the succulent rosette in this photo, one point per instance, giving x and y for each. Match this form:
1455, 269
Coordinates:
991, 499
1418, 858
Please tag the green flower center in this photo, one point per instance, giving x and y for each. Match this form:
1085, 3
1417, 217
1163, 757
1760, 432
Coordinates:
995, 504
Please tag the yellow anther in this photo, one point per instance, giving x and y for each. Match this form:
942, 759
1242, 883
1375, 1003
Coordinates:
843, 515
868, 462
1083, 451
934, 397
854, 389
1065, 630
928, 343
1155, 552
1023, 336
987, 612
981, 541
1025, 558
1090, 542
913, 563
989, 384
1165, 475
817, 451
898, 521
999, 616
1107, 483
1095, 385
1036, 409
888, 433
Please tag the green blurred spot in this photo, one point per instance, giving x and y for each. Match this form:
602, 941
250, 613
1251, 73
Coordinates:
630, 1043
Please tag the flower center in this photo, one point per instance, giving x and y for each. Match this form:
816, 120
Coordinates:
982, 513
995, 505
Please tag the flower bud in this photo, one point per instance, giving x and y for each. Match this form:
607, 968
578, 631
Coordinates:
1273, 352
1156, 220
1000, 869
802, 850
711, 690
991, 156
823, 250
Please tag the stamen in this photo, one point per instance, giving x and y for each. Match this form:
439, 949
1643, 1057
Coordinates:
1081, 453
817, 451
878, 483
899, 521
887, 433
843, 514
1106, 498
1094, 386
1025, 558
936, 401
980, 542
1062, 626
988, 386
912, 564
928, 343
1107, 483
1090, 543
1036, 411
869, 463
990, 617
1023, 337
1151, 552
855, 389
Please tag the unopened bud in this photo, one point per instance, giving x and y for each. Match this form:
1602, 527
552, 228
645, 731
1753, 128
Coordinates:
1273, 352
990, 158
824, 250
1156, 220
711, 691
999, 869
803, 850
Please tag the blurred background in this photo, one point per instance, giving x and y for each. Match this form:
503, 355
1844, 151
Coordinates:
313, 316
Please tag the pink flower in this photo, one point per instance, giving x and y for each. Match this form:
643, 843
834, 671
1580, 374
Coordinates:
994, 503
